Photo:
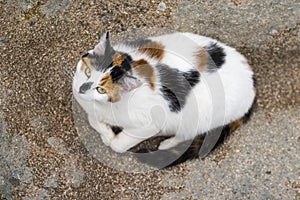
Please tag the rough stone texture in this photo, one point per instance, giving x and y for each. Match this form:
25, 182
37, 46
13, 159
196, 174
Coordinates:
43, 156
251, 23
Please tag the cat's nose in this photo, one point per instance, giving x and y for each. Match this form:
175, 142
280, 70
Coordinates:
85, 87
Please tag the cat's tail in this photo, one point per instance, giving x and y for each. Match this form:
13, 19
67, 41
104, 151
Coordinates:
189, 150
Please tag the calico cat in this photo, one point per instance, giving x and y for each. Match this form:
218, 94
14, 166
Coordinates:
139, 89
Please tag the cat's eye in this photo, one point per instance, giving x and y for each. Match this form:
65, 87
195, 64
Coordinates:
101, 90
87, 72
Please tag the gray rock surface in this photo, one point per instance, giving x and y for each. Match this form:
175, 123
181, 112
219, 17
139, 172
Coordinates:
269, 173
251, 23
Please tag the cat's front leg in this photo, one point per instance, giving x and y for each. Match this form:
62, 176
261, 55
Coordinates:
105, 130
129, 138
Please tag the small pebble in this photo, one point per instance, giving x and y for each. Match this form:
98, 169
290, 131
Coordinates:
161, 6
274, 31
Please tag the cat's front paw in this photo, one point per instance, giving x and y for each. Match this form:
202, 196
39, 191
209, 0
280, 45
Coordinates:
116, 146
106, 139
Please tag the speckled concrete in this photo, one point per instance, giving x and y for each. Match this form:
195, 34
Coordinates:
256, 166
42, 155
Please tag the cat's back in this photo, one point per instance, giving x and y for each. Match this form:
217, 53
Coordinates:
177, 50
179, 40
181, 49
192, 50
184, 51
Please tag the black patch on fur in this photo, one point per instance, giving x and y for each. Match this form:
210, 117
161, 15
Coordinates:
138, 43
118, 72
85, 55
116, 129
254, 81
176, 85
192, 76
126, 64
175, 104
216, 57
85, 87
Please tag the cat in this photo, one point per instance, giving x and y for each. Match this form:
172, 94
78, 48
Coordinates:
158, 86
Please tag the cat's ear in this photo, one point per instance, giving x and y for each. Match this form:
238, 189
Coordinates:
104, 47
128, 83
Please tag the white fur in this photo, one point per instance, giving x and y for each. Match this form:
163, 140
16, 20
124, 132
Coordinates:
144, 113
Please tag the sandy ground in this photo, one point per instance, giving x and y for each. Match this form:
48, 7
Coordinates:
42, 154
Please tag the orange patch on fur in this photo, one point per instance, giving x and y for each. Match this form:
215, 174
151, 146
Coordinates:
153, 50
145, 70
118, 59
86, 63
83, 66
112, 89
201, 55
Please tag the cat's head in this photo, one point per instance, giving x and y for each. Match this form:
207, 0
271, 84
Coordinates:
104, 74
